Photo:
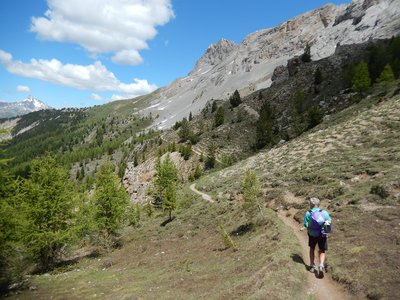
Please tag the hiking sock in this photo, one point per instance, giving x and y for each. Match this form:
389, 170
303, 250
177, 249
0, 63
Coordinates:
321, 268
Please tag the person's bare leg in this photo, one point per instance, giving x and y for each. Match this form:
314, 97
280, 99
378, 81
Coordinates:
322, 257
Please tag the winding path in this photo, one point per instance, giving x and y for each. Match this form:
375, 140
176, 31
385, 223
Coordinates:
203, 195
319, 288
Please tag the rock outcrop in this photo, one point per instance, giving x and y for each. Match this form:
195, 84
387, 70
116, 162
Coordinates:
138, 179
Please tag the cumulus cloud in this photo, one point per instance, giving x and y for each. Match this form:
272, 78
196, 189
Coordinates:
127, 57
95, 77
122, 27
23, 88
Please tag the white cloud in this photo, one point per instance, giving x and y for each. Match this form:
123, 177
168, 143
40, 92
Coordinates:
122, 27
23, 88
5, 58
94, 77
96, 97
127, 57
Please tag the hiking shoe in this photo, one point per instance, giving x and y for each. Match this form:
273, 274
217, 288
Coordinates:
312, 268
321, 270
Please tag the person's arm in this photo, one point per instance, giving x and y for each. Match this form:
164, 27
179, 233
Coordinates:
305, 221
327, 216
328, 222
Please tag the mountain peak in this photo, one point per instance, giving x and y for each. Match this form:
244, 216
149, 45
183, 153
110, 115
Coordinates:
214, 54
29, 104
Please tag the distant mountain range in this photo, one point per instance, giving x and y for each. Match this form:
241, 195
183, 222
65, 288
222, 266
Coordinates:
13, 109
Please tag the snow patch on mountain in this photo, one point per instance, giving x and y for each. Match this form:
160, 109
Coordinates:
13, 109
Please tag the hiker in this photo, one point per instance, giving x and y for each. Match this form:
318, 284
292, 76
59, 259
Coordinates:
318, 224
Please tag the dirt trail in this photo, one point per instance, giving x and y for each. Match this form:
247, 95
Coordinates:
319, 288
204, 195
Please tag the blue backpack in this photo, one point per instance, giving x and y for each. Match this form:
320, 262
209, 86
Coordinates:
318, 223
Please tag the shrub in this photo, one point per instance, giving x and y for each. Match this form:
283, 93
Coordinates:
228, 242
379, 190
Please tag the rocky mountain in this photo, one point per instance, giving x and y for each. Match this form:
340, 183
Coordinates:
13, 109
249, 66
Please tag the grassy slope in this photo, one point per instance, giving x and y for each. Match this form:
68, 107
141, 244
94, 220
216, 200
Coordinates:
186, 259
339, 161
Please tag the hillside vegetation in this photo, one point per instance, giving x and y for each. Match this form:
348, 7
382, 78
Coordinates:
340, 161
327, 128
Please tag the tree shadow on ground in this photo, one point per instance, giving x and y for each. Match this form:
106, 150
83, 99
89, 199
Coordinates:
167, 221
242, 229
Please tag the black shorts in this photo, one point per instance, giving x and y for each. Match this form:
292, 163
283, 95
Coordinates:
321, 241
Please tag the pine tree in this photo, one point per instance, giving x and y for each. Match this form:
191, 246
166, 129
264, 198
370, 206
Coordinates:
48, 198
306, 56
297, 109
299, 101
219, 117
314, 116
251, 188
235, 99
318, 77
197, 172
10, 225
190, 116
211, 156
386, 75
110, 201
169, 199
264, 127
361, 79
214, 106
185, 132
165, 178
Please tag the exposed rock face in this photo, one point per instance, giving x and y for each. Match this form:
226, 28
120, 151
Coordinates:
214, 54
249, 66
138, 179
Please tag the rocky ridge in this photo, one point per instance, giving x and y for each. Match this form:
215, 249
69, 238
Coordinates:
249, 65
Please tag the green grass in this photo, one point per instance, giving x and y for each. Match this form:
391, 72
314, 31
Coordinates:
338, 161
185, 260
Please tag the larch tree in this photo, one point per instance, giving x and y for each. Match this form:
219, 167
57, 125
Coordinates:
361, 79
110, 200
48, 198
251, 188
165, 184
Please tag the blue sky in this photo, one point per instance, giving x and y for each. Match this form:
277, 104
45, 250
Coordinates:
80, 53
